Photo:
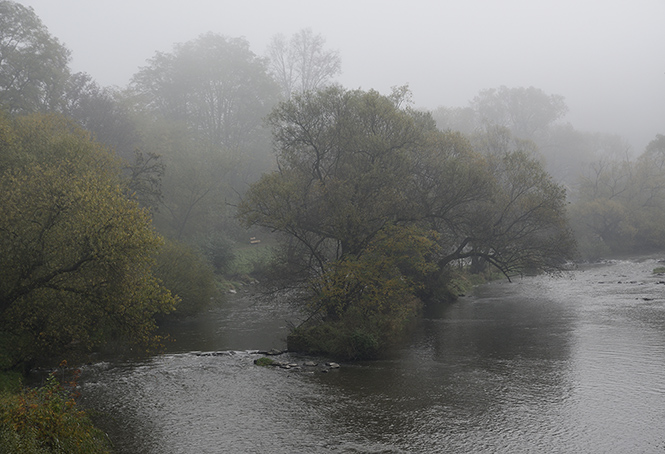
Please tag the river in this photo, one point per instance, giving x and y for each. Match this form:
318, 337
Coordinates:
569, 364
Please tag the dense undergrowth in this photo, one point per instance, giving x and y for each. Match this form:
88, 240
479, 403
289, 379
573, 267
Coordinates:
47, 419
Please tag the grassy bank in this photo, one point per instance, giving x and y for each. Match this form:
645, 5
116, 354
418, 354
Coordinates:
249, 264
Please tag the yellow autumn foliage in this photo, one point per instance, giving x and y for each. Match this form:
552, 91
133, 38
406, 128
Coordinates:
75, 268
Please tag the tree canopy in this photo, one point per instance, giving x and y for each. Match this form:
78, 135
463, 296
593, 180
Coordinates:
33, 64
77, 253
301, 63
355, 165
619, 203
342, 159
526, 114
215, 85
352, 162
525, 111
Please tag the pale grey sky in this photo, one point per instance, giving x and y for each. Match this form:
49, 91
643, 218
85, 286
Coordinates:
606, 57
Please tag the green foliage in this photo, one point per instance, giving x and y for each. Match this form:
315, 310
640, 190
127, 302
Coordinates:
351, 162
251, 260
659, 270
263, 361
507, 211
361, 183
462, 282
47, 420
10, 382
351, 338
216, 85
219, 252
365, 303
33, 69
188, 275
380, 281
75, 270
343, 164
522, 225
620, 203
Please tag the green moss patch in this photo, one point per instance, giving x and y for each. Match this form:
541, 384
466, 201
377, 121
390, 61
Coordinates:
263, 361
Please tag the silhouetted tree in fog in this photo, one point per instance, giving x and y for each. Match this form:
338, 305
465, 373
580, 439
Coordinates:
215, 85
33, 64
301, 63
375, 205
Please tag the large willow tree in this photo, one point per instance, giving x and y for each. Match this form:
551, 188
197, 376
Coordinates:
360, 176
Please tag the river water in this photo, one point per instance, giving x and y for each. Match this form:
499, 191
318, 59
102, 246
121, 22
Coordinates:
572, 364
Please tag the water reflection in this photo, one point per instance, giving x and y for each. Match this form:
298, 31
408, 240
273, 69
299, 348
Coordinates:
490, 373
244, 322
574, 364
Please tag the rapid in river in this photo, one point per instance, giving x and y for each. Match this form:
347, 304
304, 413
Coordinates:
566, 364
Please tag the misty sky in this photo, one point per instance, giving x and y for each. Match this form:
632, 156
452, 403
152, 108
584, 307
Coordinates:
606, 57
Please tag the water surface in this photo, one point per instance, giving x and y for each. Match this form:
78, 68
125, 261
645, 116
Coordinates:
568, 364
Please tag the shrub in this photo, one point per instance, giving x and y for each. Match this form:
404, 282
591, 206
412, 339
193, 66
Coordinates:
10, 382
364, 304
219, 252
47, 420
187, 275
351, 338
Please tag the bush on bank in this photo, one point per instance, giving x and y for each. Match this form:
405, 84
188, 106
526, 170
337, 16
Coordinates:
188, 276
47, 420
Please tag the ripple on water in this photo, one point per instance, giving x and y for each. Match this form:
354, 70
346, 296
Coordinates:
569, 364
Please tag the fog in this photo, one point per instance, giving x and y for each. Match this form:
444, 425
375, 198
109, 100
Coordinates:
605, 58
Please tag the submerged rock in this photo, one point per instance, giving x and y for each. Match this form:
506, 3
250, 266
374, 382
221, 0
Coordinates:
271, 352
306, 365
220, 353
